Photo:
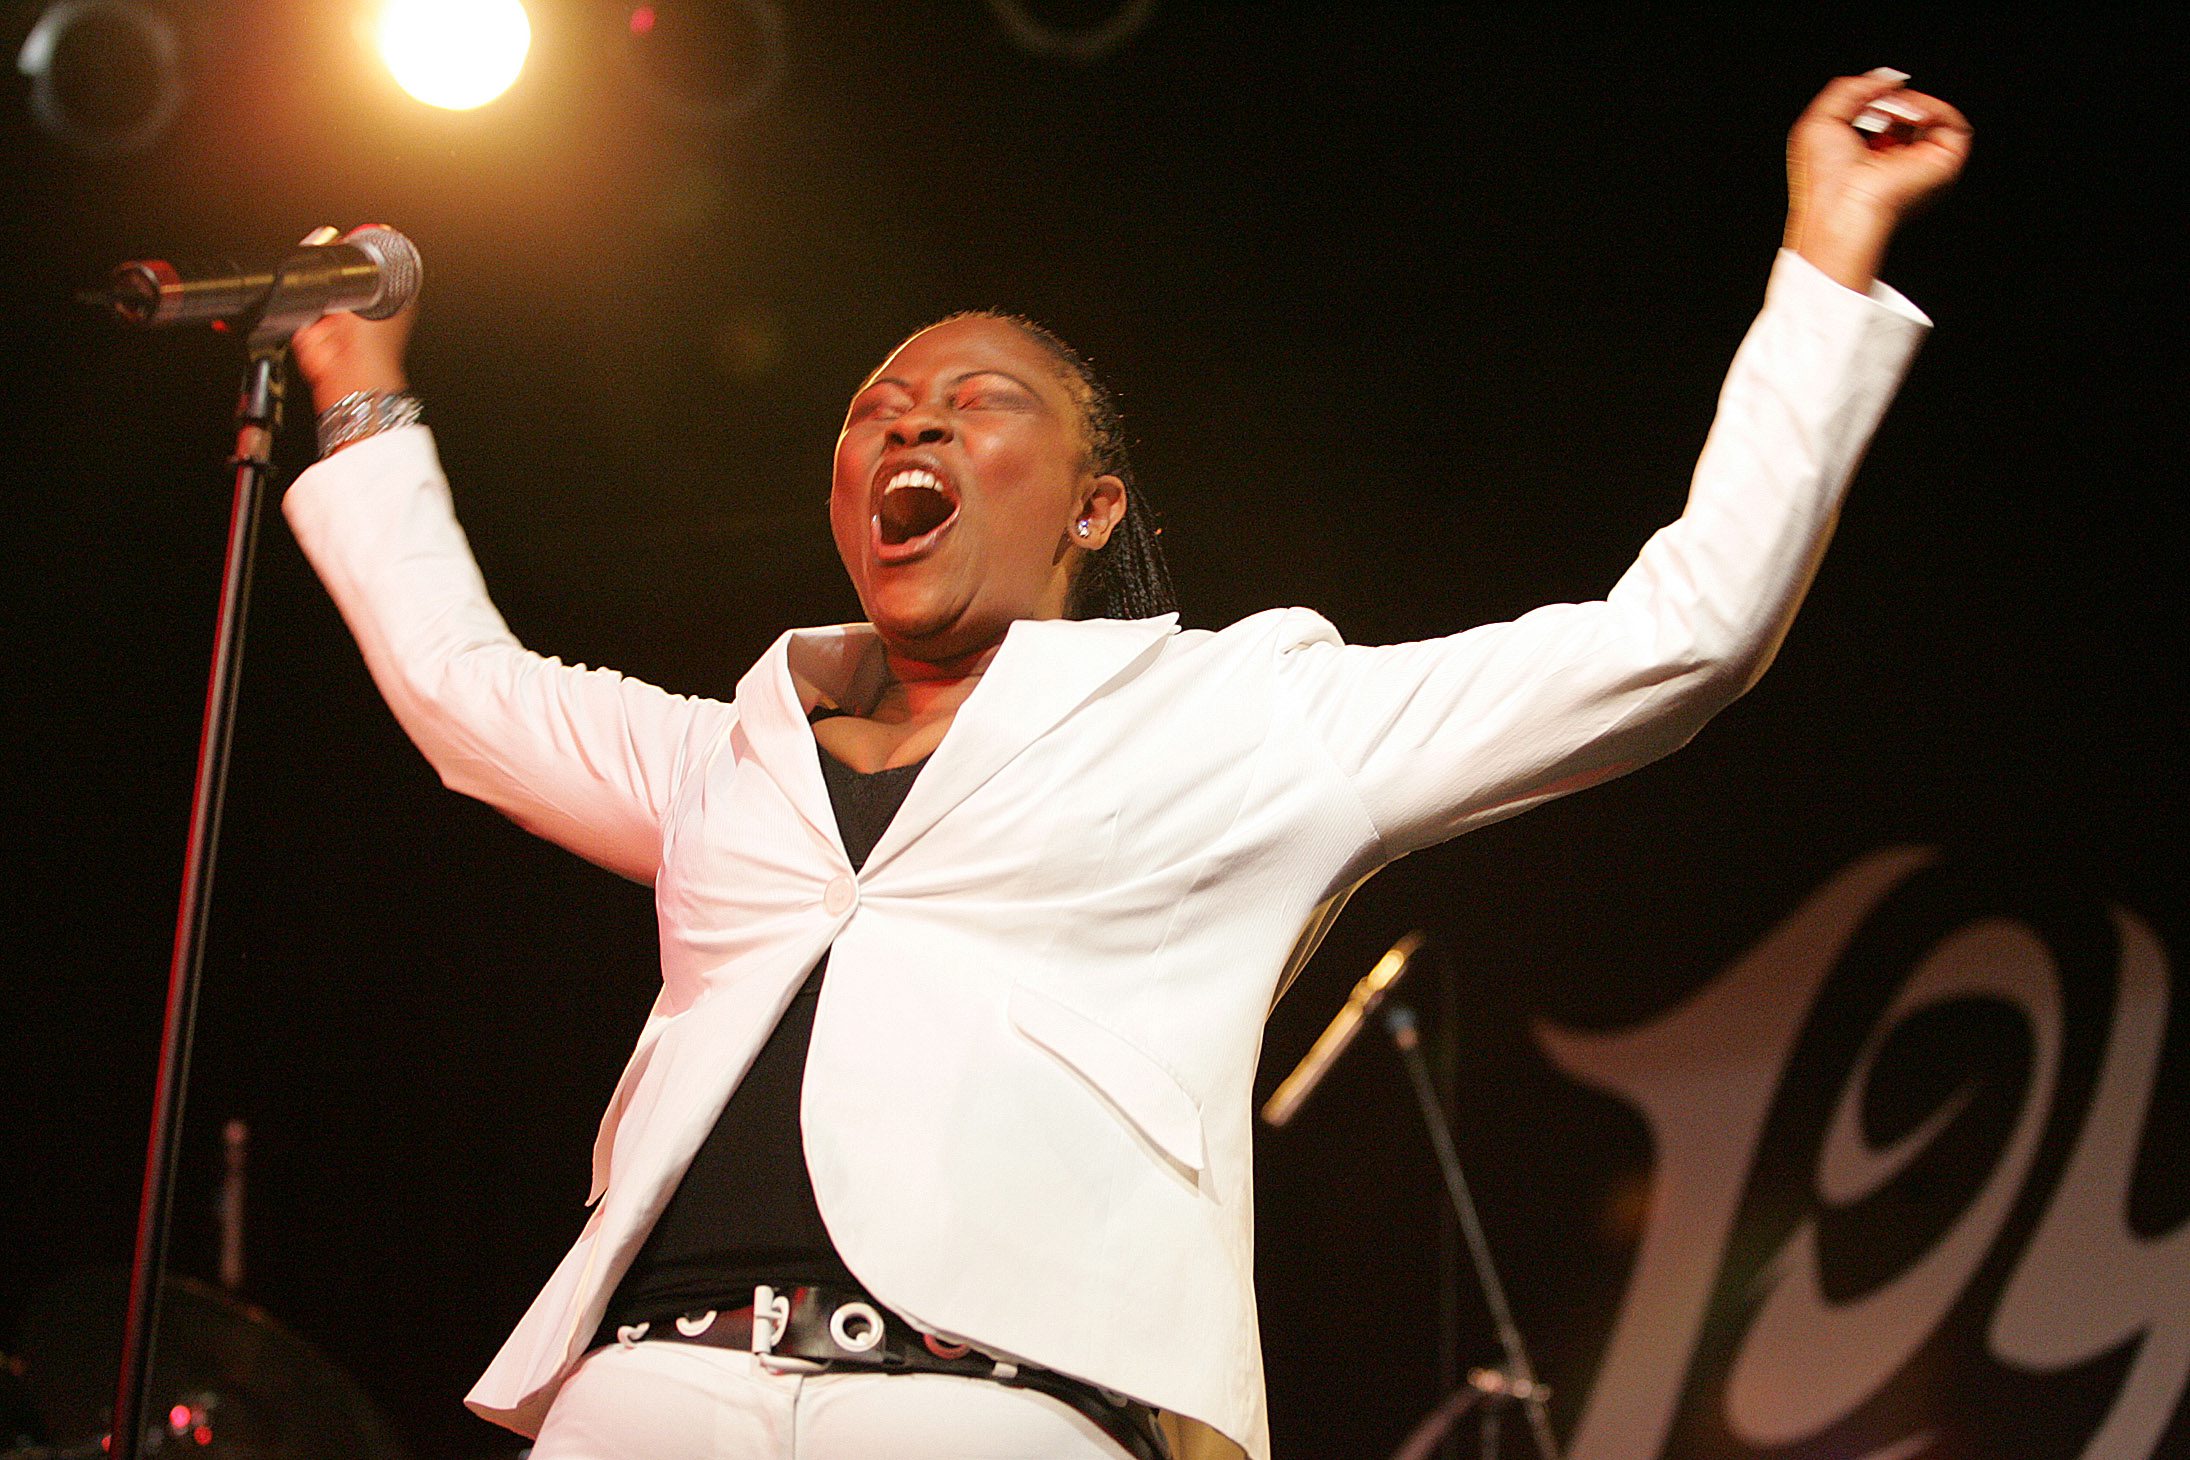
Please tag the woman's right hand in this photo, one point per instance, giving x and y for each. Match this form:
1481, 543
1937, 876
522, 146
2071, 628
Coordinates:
341, 353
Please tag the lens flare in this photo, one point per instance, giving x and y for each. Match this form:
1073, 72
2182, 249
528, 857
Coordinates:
456, 54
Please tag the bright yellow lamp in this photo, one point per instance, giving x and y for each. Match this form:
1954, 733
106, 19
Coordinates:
454, 53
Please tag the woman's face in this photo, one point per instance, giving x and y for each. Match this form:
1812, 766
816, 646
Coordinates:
961, 473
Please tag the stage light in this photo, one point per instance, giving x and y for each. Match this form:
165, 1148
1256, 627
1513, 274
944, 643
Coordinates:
1076, 40
105, 75
456, 54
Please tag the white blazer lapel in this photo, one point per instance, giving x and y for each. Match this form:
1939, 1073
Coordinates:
1045, 670
772, 705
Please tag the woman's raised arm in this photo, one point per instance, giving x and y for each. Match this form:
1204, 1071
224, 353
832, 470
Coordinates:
585, 757
1440, 736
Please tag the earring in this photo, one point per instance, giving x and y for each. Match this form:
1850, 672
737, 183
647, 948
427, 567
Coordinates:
1080, 527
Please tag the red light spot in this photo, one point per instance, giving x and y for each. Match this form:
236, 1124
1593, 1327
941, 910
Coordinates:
203, 1434
178, 1418
221, 325
642, 20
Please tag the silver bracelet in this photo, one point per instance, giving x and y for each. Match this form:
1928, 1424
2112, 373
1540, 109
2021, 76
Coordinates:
364, 413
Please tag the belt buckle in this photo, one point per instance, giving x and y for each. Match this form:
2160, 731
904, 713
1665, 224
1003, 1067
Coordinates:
771, 1321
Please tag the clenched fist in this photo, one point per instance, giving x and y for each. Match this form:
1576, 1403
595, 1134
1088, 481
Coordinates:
1846, 198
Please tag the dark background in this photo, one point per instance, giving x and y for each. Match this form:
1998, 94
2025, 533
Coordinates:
1417, 313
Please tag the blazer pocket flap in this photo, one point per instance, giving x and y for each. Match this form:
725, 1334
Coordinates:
1143, 1091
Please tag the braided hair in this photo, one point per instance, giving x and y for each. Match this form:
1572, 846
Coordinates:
1126, 577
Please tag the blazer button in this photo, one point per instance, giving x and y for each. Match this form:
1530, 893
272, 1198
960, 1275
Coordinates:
839, 896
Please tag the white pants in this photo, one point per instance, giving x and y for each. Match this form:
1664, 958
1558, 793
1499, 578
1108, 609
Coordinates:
680, 1401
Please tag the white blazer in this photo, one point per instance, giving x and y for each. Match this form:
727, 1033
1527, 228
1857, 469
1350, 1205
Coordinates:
1027, 1105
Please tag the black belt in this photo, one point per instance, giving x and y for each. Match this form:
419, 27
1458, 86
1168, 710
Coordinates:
839, 1329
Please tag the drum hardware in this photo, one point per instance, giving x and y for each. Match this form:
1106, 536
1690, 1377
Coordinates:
227, 1380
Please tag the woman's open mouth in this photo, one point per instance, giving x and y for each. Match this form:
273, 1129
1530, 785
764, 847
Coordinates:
914, 511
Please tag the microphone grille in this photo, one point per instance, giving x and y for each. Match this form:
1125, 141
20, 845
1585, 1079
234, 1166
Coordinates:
401, 270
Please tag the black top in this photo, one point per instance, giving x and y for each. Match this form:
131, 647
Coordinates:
744, 1212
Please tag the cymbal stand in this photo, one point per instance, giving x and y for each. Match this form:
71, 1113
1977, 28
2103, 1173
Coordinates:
1487, 1390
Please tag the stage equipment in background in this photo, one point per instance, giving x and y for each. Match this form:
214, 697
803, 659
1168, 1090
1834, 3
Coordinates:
1038, 37
1293, 1092
266, 318
1486, 1390
707, 64
456, 54
230, 1381
106, 76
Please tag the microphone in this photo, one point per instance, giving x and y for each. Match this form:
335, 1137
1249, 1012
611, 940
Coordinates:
371, 271
1286, 1100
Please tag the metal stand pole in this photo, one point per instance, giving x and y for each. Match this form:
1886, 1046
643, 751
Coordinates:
258, 416
1436, 1432
1517, 1381
1445, 1060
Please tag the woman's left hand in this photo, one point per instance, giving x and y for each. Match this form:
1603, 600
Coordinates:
1845, 199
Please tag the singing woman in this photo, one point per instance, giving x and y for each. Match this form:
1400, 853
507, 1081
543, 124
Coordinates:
936, 1144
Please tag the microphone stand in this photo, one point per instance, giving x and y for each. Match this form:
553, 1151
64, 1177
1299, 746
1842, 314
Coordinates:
1445, 1063
258, 417
1517, 1380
